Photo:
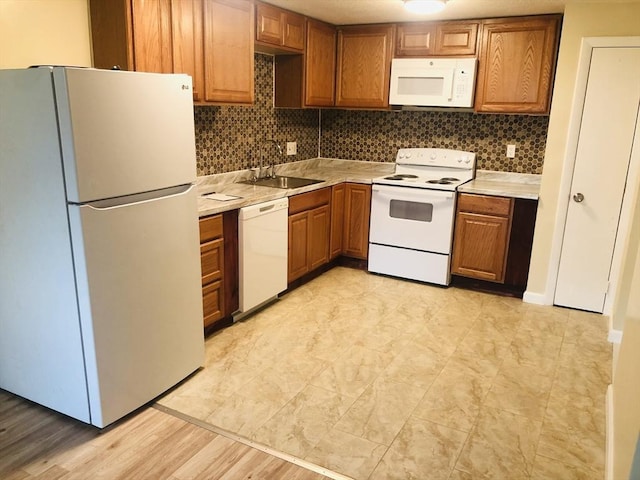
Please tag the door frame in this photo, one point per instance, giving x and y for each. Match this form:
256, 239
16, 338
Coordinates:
564, 194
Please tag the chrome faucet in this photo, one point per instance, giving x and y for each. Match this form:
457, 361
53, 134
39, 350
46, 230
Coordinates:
261, 152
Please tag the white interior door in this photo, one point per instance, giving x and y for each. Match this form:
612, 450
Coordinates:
602, 160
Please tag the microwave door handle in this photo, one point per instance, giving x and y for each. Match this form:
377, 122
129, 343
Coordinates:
451, 82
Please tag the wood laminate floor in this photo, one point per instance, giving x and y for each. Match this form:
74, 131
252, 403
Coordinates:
36, 443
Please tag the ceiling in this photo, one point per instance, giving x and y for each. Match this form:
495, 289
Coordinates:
344, 12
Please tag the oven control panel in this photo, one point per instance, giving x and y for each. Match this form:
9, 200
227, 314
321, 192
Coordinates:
436, 157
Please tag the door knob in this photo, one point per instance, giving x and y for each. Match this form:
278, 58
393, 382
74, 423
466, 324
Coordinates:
578, 197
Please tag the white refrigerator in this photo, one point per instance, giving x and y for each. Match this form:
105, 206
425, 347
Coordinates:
100, 284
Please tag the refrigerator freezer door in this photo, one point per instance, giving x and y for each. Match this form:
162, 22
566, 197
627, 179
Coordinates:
138, 270
124, 132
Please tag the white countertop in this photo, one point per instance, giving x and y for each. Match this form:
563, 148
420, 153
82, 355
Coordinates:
330, 171
504, 184
334, 171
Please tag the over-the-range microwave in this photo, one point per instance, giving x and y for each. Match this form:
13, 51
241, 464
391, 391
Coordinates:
433, 82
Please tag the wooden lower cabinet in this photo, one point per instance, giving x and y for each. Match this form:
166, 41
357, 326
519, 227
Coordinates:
337, 220
357, 210
493, 239
218, 260
481, 243
309, 232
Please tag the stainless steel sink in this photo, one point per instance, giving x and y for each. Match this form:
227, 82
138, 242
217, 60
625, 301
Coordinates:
282, 182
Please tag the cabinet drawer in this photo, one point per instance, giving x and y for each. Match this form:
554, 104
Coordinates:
212, 260
307, 201
212, 303
485, 204
210, 228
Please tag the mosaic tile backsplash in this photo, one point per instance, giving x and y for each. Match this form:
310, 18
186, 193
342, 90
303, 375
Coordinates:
228, 138
377, 136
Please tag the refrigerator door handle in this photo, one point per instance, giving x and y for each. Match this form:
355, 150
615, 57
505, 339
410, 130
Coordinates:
129, 200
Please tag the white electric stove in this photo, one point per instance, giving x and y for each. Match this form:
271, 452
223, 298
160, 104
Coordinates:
413, 213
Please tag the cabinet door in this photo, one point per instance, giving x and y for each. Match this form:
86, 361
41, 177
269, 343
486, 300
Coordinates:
320, 65
415, 40
228, 51
319, 231
269, 24
357, 210
517, 63
337, 220
456, 38
152, 50
111, 42
212, 260
212, 305
293, 31
480, 246
364, 66
298, 240
188, 43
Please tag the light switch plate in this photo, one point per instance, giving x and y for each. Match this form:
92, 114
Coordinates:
511, 151
292, 148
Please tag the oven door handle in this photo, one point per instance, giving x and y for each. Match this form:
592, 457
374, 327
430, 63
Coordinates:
422, 194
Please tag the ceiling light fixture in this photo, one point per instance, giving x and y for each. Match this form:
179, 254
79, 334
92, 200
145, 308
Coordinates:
425, 6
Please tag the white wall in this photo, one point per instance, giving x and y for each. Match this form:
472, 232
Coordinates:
44, 32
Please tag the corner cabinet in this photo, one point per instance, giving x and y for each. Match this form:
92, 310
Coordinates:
516, 64
309, 232
357, 211
308, 80
364, 66
493, 239
210, 40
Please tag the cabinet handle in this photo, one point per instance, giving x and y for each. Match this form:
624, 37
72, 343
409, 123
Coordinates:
578, 197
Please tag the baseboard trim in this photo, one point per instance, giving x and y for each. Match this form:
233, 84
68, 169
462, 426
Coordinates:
609, 434
535, 298
615, 336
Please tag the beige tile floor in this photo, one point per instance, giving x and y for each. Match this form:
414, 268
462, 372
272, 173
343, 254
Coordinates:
379, 378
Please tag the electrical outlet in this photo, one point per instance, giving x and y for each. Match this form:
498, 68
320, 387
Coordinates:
511, 151
292, 148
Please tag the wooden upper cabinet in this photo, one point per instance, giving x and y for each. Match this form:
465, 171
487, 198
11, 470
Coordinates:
517, 63
123, 32
436, 39
280, 28
228, 51
188, 43
152, 42
456, 38
415, 40
320, 65
364, 66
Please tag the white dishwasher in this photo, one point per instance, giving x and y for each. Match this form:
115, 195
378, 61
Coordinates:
263, 239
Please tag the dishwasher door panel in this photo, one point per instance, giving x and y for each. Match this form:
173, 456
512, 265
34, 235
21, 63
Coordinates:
263, 239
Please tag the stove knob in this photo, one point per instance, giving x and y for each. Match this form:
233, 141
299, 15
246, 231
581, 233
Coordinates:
408, 155
433, 156
401, 155
459, 159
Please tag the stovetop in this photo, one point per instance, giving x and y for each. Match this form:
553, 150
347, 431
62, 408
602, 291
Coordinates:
431, 168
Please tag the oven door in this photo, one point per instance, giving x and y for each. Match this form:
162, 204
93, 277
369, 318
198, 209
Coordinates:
414, 218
